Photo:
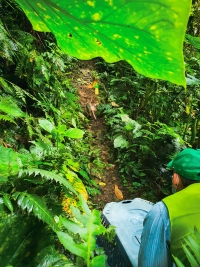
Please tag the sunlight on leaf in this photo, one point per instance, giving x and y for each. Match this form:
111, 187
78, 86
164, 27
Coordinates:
11, 163
67, 202
11, 109
46, 125
77, 184
74, 133
120, 141
147, 34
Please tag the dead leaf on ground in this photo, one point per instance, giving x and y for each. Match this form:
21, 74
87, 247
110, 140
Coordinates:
102, 184
113, 104
118, 193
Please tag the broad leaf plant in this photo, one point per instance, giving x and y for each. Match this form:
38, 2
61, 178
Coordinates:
147, 34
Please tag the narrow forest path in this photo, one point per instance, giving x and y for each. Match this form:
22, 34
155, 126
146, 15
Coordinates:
83, 80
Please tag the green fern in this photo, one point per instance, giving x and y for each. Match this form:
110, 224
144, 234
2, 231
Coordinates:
15, 44
28, 119
6, 45
11, 163
49, 176
19, 92
35, 204
6, 118
8, 106
84, 230
24, 38
4, 85
191, 249
21, 68
92, 191
13, 89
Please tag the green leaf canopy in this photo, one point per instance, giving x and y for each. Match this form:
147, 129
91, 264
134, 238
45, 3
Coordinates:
147, 34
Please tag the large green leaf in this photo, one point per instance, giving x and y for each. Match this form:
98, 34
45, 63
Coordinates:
49, 257
98, 261
46, 125
120, 141
26, 242
68, 242
14, 231
148, 34
74, 133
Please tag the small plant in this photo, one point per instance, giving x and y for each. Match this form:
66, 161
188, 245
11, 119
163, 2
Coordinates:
84, 228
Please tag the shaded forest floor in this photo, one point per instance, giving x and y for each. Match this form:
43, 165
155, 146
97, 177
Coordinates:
83, 80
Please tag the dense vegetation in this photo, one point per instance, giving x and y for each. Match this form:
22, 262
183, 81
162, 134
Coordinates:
47, 159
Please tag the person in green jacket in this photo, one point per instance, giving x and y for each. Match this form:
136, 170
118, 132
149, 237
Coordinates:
172, 219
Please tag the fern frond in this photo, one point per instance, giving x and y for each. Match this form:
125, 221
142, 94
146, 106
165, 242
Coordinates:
6, 118
3, 84
6, 49
8, 106
49, 176
13, 89
28, 119
35, 204
19, 93
21, 66
22, 37
93, 191
10, 163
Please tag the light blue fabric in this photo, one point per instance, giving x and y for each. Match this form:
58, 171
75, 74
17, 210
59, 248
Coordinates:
155, 240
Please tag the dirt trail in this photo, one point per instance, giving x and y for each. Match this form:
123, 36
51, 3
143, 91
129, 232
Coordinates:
83, 81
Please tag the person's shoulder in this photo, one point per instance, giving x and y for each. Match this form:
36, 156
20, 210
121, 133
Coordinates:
158, 219
158, 208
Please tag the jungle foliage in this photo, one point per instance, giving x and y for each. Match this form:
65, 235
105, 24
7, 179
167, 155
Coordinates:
46, 163
47, 160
